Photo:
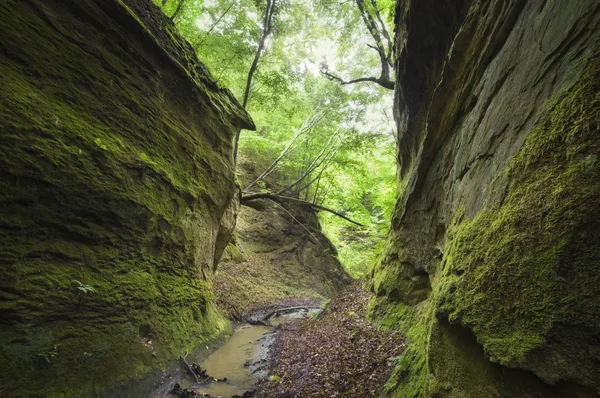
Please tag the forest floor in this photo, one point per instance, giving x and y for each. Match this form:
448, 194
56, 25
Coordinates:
338, 354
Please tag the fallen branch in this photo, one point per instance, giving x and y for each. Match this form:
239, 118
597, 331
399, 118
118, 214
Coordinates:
308, 124
189, 368
290, 309
302, 225
279, 199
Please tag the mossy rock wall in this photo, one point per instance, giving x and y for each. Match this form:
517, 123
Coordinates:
492, 268
115, 173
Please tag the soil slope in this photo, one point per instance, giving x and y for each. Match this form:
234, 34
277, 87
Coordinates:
279, 258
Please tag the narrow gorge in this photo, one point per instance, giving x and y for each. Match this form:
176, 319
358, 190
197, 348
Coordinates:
136, 240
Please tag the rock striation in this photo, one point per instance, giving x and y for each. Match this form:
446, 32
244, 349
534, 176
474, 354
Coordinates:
116, 177
492, 267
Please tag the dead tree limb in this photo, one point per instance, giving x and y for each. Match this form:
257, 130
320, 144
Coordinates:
280, 199
189, 369
291, 309
214, 25
308, 124
318, 176
316, 163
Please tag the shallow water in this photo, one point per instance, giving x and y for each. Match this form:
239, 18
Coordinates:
229, 360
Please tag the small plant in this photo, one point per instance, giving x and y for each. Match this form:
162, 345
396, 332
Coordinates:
84, 288
48, 356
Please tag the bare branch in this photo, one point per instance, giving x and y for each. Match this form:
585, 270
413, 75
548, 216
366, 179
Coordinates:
189, 369
385, 83
310, 122
215, 24
326, 163
279, 199
313, 166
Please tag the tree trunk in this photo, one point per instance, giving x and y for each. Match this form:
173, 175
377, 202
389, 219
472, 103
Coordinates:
267, 28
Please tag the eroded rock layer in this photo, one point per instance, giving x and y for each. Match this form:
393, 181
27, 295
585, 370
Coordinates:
115, 173
492, 268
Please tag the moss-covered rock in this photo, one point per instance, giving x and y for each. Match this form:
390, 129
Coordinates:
492, 268
115, 172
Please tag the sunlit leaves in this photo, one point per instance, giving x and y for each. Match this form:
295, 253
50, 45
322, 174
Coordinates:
359, 180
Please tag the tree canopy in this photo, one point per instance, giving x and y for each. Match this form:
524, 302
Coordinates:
316, 140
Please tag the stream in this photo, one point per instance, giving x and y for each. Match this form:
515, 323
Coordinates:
243, 360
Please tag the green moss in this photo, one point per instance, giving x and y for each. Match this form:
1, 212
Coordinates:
113, 172
410, 377
520, 281
518, 270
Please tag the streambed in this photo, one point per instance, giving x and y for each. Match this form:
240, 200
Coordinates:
243, 360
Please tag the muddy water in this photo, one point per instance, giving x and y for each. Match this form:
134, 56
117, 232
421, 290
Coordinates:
228, 362
243, 347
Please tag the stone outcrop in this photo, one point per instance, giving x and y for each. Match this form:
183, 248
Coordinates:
115, 178
492, 268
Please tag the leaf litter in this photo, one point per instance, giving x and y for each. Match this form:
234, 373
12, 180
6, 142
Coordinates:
339, 354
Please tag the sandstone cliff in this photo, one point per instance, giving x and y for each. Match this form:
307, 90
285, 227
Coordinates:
115, 174
492, 268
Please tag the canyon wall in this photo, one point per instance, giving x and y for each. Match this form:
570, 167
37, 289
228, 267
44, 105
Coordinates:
492, 268
115, 179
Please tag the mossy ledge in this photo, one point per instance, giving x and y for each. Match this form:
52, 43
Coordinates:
115, 171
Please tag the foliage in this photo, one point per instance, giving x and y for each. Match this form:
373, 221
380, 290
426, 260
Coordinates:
83, 287
356, 173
